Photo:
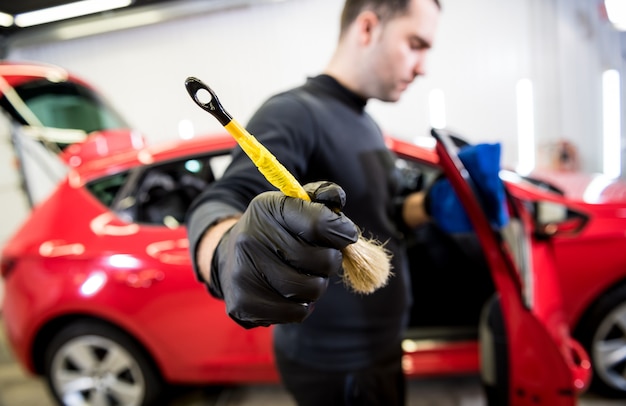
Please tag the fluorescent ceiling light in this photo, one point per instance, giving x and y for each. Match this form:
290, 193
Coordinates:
102, 25
525, 126
437, 108
611, 118
6, 20
185, 129
594, 189
616, 11
71, 10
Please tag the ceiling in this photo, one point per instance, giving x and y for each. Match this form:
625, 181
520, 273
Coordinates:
22, 6
140, 12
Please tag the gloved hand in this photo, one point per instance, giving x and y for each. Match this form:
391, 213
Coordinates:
482, 162
274, 263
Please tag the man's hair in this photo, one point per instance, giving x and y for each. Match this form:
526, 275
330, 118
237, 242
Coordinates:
384, 9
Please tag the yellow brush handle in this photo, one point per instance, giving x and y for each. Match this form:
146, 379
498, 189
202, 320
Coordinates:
268, 165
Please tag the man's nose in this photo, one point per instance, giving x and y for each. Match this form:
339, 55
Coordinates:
419, 68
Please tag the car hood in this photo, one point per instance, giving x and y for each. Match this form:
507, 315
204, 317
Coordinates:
584, 187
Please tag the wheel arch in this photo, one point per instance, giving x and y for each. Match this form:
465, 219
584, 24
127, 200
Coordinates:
585, 331
53, 326
589, 313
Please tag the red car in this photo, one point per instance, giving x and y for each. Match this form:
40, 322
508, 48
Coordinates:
101, 300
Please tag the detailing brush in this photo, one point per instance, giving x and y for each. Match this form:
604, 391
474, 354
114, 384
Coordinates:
366, 263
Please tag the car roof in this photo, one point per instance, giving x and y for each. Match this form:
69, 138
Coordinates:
149, 155
178, 148
585, 187
16, 73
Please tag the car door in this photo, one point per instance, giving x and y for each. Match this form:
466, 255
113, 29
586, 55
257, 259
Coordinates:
527, 354
192, 338
45, 109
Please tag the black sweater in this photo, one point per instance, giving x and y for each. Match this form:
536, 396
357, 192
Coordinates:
320, 131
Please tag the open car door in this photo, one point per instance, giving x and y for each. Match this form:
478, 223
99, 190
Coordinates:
527, 354
46, 109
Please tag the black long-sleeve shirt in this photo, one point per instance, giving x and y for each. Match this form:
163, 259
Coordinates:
320, 131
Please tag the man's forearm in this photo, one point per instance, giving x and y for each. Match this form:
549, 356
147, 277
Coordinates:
413, 210
208, 243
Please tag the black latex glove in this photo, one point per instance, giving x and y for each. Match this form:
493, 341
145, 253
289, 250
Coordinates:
274, 263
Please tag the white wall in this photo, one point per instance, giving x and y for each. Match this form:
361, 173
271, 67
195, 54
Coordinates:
243, 54
584, 48
484, 47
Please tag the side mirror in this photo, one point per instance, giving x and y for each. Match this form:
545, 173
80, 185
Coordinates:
555, 219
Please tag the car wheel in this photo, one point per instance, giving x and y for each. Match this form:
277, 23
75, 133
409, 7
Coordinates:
92, 363
602, 332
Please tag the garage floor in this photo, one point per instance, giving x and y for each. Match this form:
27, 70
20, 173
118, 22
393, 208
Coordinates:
18, 389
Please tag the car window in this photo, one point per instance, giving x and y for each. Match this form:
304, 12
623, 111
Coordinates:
106, 189
511, 176
161, 194
65, 105
414, 175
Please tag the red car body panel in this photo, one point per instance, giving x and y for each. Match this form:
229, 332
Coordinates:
580, 284
441, 359
596, 245
95, 240
16, 73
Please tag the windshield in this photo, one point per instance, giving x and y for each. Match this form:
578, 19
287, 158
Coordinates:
64, 105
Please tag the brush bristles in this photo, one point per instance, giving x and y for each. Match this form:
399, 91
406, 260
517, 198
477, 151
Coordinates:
366, 265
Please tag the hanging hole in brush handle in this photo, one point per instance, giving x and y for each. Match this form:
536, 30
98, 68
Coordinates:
206, 98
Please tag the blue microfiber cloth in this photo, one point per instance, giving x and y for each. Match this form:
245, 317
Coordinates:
482, 162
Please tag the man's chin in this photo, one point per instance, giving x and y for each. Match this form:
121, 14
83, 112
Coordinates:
392, 98
389, 96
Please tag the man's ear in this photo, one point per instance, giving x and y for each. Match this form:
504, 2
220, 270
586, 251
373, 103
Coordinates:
366, 23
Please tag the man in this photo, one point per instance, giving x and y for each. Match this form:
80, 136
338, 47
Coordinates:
277, 260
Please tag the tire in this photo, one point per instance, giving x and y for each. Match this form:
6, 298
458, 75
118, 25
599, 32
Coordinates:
79, 369
602, 331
